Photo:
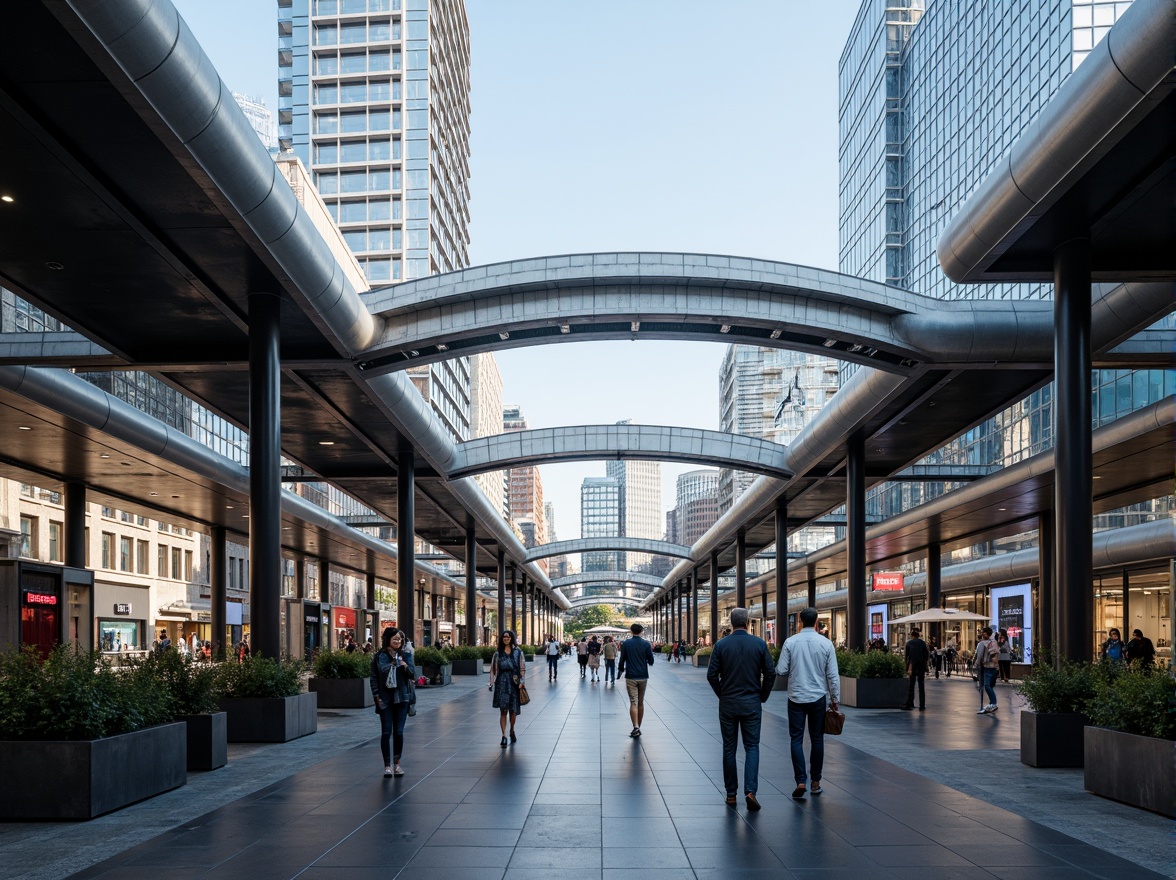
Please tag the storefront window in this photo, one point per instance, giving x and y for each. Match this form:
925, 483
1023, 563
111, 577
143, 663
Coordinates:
115, 636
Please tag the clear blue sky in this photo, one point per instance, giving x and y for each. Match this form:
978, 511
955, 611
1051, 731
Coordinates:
669, 125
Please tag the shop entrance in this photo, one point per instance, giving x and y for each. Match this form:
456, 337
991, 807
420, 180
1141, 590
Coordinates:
312, 628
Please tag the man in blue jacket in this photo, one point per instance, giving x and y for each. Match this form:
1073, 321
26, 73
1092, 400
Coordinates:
741, 674
636, 655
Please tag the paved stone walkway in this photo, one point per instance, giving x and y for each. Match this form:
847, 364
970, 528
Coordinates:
939, 791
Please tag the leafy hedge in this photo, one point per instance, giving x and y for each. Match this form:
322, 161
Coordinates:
430, 657
260, 677
1066, 689
342, 664
873, 664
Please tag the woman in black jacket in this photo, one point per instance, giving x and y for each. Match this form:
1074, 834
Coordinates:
507, 671
392, 681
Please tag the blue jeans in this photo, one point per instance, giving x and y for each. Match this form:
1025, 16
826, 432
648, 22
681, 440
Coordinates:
553, 665
392, 720
732, 719
610, 670
814, 714
989, 680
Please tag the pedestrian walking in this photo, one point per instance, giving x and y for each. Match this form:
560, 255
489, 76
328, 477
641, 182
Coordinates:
1004, 656
610, 660
551, 649
582, 655
507, 671
392, 681
1140, 649
741, 674
917, 655
985, 666
635, 658
594, 658
950, 652
810, 663
676, 652
1113, 648
936, 655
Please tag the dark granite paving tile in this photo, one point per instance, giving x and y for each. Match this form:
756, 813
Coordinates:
1066, 872
472, 837
928, 855
833, 854
749, 856
554, 859
487, 816
549, 874
656, 831
991, 855
968, 872
556, 796
650, 858
710, 808
627, 873
737, 873
1096, 861
453, 857
645, 807
541, 832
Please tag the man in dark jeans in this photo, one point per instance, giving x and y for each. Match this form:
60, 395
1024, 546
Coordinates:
809, 661
741, 674
917, 655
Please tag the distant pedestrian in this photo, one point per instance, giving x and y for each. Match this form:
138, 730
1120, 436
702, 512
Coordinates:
1113, 648
582, 655
917, 656
676, 652
391, 680
507, 672
551, 650
609, 651
985, 664
741, 674
950, 653
164, 641
1004, 656
1140, 649
636, 656
594, 658
936, 654
810, 662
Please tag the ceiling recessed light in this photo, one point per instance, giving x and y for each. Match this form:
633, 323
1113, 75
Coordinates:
326, 443
1002, 509
1097, 477
228, 507
24, 428
244, 516
54, 265
634, 326
565, 328
7, 198
775, 334
103, 455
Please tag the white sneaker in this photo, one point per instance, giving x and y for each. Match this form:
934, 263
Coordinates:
983, 711
992, 707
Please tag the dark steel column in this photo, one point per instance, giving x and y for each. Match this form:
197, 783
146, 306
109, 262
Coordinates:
501, 591
1047, 590
935, 584
1072, 450
324, 567
714, 596
218, 584
265, 475
740, 569
370, 593
1126, 606
405, 550
523, 612
694, 606
811, 594
855, 541
471, 584
300, 578
514, 599
781, 571
75, 525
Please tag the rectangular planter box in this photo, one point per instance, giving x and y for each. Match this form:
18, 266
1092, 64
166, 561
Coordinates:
1136, 770
81, 779
208, 740
703, 661
432, 672
1052, 739
276, 719
468, 667
343, 693
873, 693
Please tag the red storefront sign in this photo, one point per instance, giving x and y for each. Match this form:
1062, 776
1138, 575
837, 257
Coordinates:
40, 598
344, 618
888, 580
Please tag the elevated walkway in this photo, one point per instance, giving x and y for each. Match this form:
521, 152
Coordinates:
940, 791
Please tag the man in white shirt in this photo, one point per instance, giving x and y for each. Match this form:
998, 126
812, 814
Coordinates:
809, 661
551, 649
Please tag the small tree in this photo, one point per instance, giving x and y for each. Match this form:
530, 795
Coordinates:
586, 618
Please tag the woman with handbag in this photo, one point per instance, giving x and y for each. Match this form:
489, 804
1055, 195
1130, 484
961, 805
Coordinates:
507, 672
393, 679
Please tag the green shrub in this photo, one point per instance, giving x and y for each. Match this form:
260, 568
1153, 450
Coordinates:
667, 649
260, 677
467, 652
1067, 689
775, 652
850, 663
429, 657
703, 654
873, 664
75, 695
1133, 700
342, 664
191, 685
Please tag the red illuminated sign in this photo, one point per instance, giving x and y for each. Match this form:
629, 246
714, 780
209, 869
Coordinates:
40, 599
888, 580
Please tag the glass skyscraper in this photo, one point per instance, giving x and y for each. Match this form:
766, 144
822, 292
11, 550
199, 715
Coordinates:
932, 95
375, 100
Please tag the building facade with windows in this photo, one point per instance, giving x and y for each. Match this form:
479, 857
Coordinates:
600, 517
639, 499
486, 421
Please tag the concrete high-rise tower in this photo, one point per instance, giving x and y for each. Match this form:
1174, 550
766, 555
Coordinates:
374, 98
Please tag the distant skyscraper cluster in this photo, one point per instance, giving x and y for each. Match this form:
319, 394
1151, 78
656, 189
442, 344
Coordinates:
696, 506
525, 488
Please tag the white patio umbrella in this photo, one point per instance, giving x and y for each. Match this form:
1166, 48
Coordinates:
939, 615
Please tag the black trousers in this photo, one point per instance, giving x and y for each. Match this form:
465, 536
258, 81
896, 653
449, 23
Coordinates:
919, 677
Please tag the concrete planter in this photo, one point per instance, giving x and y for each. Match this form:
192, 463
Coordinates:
873, 693
271, 719
343, 693
1135, 770
81, 779
468, 667
208, 740
1052, 739
703, 661
438, 675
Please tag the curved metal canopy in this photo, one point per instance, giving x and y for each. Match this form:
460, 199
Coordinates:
613, 542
